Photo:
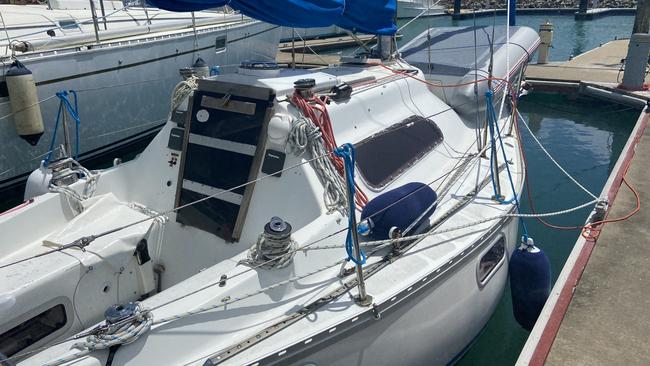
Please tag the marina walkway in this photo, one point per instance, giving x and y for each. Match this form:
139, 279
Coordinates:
608, 322
596, 72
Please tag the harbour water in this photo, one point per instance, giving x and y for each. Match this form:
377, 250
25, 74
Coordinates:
584, 135
570, 37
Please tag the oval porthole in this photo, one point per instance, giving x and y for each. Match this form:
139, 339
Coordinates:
491, 261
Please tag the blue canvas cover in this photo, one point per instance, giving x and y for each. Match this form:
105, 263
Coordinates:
364, 16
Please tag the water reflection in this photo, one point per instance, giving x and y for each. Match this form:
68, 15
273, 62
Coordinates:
585, 136
579, 37
570, 37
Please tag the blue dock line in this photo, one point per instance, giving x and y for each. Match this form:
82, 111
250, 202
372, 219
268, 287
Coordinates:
346, 151
494, 124
74, 113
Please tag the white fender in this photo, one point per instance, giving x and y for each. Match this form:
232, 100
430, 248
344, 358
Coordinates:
38, 182
24, 103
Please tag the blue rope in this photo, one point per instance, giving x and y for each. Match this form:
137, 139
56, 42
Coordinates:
74, 113
493, 124
346, 151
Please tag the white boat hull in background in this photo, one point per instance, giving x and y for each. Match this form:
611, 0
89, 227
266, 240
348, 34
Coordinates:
123, 86
413, 8
299, 34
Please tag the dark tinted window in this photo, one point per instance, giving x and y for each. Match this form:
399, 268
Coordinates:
31, 331
490, 260
220, 43
384, 156
4, 92
68, 24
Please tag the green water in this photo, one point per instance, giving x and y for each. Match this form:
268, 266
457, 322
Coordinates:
570, 37
586, 137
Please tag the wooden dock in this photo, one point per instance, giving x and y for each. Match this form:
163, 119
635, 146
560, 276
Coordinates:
597, 73
330, 43
596, 313
308, 53
307, 60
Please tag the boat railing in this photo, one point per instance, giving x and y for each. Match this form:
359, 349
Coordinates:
23, 43
114, 38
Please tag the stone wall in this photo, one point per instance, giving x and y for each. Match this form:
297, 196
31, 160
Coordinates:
485, 4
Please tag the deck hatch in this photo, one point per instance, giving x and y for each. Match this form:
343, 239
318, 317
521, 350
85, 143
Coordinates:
223, 149
400, 147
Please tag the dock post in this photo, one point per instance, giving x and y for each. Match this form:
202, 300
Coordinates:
641, 20
456, 7
546, 38
512, 14
636, 62
582, 7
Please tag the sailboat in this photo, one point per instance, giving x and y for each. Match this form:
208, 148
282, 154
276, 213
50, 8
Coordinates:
334, 216
122, 66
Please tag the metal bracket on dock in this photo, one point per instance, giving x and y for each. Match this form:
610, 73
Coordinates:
599, 211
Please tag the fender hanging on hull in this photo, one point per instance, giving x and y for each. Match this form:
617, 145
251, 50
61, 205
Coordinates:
24, 103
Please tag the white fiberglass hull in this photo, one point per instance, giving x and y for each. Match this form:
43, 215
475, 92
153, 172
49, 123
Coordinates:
433, 326
124, 87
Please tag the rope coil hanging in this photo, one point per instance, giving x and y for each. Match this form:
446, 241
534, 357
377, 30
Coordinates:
346, 152
66, 106
315, 109
110, 335
305, 136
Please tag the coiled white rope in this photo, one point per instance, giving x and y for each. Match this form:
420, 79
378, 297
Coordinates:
271, 253
182, 90
111, 335
305, 136
74, 198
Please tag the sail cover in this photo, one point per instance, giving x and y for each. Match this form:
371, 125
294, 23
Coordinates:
365, 16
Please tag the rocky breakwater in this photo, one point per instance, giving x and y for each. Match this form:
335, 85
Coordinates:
527, 4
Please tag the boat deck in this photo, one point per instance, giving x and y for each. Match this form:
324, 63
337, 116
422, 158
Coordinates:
596, 312
596, 72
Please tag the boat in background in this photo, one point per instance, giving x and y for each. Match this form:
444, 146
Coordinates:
123, 75
414, 8
304, 34
405, 9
